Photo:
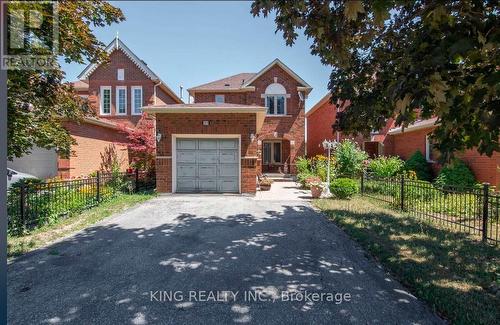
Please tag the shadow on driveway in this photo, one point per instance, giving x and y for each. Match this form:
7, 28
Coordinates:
112, 272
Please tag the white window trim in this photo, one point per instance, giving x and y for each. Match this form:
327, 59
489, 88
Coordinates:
220, 95
428, 150
286, 96
132, 107
272, 151
117, 100
118, 74
101, 100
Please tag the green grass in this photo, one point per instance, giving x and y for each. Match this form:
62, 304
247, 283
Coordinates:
452, 272
41, 237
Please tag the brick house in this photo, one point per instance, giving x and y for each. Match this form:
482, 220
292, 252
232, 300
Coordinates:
116, 91
415, 137
393, 141
237, 128
320, 119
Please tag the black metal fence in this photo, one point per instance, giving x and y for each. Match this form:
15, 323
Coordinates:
475, 209
31, 204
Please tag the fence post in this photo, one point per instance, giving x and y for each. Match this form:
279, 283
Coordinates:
486, 193
402, 192
98, 187
362, 182
136, 180
22, 202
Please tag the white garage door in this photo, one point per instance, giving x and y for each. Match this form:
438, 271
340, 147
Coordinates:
207, 165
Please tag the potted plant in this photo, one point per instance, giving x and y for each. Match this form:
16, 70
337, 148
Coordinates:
312, 179
316, 189
265, 184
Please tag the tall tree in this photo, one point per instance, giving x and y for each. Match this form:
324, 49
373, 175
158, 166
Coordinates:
38, 100
408, 60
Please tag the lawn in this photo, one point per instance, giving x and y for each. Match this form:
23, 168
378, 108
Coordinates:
454, 273
43, 236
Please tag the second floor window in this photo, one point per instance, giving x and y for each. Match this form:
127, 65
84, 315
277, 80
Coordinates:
136, 100
275, 99
105, 100
121, 100
275, 104
219, 98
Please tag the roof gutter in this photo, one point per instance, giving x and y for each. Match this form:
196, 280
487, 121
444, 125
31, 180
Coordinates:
414, 127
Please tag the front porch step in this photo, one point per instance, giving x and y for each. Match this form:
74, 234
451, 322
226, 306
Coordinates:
277, 177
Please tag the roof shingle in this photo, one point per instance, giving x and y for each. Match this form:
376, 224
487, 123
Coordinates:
230, 83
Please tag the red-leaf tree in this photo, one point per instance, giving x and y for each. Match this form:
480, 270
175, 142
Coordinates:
141, 143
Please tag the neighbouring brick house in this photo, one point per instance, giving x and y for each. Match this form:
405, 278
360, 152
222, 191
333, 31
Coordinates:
116, 91
416, 137
393, 141
237, 128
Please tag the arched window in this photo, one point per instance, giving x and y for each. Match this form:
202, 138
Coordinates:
275, 96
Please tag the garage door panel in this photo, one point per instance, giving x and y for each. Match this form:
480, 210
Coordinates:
186, 184
186, 144
186, 170
207, 156
227, 185
207, 185
207, 165
207, 171
226, 170
207, 144
186, 156
228, 156
228, 144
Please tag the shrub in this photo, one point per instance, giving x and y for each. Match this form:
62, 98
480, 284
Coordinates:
386, 166
303, 165
419, 165
344, 188
456, 174
349, 159
320, 166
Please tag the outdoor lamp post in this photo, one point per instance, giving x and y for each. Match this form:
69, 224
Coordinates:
328, 145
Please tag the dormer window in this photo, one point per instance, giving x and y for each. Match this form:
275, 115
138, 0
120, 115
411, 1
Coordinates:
275, 99
120, 74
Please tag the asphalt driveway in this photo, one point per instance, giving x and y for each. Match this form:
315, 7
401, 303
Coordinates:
209, 260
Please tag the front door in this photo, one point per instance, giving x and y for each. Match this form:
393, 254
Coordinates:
271, 156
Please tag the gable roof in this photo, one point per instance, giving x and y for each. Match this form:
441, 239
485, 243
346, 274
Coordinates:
117, 44
321, 102
284, 67
229, 83
242, 81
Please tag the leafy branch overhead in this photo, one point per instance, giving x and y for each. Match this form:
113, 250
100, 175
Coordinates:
38, 100
408, 60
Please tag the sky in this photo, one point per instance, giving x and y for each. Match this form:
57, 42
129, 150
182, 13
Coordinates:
191, 43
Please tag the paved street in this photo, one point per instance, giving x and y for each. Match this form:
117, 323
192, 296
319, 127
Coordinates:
255, 252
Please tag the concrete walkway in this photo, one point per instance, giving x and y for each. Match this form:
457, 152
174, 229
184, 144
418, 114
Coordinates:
193, 259
284, 191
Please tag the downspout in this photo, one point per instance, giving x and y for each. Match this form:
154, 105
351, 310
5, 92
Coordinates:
154, 92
